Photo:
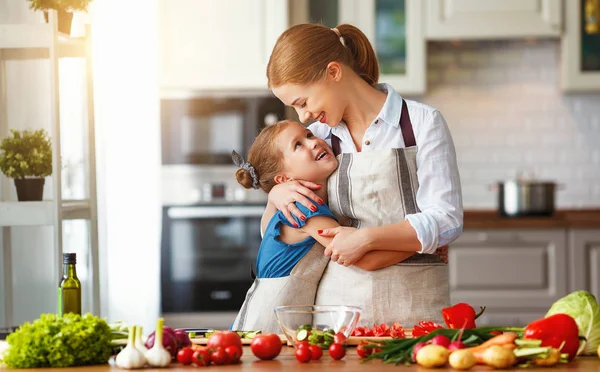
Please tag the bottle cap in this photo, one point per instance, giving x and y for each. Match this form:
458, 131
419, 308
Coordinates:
69, 258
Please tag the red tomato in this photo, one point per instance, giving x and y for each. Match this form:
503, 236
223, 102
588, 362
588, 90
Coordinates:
303, 354
362, 351
316, 352
201, 357
233, 354
184, 355
382, 330
339, 338
397, 331
218, 356
337, 351
362, 331
302, 345
224, 339
266, 346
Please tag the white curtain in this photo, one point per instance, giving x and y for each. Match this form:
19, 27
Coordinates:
128, 144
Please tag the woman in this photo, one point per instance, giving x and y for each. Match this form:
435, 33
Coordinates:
397, 181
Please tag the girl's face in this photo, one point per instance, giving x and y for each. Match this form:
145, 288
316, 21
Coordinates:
305, 157
321, 101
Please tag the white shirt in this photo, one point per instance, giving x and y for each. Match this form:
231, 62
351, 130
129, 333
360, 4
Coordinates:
439, 195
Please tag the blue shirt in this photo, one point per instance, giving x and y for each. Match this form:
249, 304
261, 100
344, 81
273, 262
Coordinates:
276, 259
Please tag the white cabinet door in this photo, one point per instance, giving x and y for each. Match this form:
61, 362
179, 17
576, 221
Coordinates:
509, 270
584, 260
394, 28
580, 53
491, 19
217, 45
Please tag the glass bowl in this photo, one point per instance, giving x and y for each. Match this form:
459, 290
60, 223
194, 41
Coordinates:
316, 324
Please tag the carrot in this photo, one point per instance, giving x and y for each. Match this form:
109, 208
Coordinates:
501, 340
505, 340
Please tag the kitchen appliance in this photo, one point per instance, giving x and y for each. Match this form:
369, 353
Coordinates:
204, 131
210, 241
519, 198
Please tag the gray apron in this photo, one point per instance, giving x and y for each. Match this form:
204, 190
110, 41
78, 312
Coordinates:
265, 294
373, 189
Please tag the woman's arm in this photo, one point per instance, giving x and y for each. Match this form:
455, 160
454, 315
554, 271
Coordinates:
282, 197
376, 260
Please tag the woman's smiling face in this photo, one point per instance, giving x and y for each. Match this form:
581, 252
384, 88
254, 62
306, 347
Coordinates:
305, 157
320, 101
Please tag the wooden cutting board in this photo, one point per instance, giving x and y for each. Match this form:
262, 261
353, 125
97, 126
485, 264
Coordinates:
245, 341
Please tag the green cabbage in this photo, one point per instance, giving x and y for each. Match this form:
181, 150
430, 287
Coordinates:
583, 307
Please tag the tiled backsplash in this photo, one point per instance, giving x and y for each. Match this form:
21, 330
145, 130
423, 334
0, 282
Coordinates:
507, 114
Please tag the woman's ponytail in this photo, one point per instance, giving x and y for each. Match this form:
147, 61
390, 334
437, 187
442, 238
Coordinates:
365, 59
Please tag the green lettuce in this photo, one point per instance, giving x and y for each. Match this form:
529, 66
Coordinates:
583, 307
53, 341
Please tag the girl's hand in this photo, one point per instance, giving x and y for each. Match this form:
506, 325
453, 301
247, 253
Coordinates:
284, 195
347, 246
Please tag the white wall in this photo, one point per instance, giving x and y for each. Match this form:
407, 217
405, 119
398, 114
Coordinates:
506, 113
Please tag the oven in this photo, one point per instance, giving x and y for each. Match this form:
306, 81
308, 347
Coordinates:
210, 241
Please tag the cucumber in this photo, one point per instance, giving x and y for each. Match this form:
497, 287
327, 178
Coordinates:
302, 335
307, 327
250, 335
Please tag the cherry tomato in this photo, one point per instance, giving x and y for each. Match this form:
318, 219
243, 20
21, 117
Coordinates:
302, 345
363, 351
201, 357
316, 352
339, 338
266, 346
337, 351
303, 355
184, 355
218, 356
224, 339
233, 354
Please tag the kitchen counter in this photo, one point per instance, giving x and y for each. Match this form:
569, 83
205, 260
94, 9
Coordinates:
286, 361
574, 219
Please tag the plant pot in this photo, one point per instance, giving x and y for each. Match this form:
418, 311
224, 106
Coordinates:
64, 21
30, 189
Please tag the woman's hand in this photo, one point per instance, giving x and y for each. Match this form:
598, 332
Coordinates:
284, 195
348, 245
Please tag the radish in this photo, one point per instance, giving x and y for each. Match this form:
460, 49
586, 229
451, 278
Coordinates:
441, 340
416, 349
456, 345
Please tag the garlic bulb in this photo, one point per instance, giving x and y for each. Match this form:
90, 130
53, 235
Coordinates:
139, 344
130, 357
158, 356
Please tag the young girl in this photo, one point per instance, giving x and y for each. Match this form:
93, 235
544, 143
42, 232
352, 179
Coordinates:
291, 257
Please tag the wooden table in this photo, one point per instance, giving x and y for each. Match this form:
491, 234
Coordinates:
286, 361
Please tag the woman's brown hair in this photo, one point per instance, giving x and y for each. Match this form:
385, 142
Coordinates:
302, 53
265, 157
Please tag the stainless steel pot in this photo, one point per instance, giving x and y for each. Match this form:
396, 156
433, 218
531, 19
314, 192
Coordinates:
526, 198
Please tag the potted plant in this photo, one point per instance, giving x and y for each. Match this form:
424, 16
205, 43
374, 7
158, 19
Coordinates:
65, 9
27, 158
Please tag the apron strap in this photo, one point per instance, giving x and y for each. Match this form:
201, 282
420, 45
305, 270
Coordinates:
405, 127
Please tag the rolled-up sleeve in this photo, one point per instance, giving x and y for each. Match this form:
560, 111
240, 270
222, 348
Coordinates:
439, 196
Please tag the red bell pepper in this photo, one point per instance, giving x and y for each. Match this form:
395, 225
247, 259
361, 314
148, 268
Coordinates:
461, 315
554, 331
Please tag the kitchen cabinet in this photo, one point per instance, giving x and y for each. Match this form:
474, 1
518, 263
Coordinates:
492, 19
517, 274
580, 52
394, 28
584, 260
217, 45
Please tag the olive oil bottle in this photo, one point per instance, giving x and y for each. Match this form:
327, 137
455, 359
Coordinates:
69, 289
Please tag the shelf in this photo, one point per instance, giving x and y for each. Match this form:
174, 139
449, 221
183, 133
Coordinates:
33, 41
41, 213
